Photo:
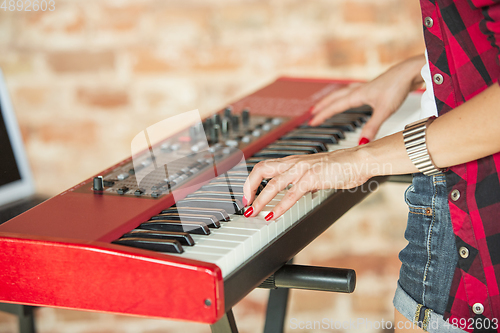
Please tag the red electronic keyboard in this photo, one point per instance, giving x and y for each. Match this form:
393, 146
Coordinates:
162, 234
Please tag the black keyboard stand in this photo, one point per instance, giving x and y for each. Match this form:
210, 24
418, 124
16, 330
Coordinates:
24, 314
296, 277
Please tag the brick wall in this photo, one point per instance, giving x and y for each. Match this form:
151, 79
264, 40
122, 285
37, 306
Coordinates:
88, 76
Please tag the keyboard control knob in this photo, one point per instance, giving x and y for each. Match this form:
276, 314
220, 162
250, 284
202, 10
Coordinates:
228, 112
226, 127
214, 134
236, 122
245, 116
217, 120
98, 185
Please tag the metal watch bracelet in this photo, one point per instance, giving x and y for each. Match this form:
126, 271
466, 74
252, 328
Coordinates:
416, 146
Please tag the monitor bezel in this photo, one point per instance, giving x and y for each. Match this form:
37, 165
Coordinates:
24, 187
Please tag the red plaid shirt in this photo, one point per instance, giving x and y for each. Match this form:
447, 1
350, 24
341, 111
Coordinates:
463, 39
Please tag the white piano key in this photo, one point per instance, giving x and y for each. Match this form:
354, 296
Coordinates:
260, 226
238, 247
244, 241
301, 207
228, 254
251, 243
279, 223
316, 199
308, 202
217, 260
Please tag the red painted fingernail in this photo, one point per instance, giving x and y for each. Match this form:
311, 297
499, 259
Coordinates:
248, 212
269, 216
363, 141
245, 202
311, 109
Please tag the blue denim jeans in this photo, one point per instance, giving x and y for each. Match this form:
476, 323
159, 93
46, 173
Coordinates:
428, 261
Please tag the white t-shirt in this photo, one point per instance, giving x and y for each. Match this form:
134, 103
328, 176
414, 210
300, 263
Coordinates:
427, 103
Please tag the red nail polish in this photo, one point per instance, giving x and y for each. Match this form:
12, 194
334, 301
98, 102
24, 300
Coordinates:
269, 216
363, 141
248, 212
311, 109
245, 202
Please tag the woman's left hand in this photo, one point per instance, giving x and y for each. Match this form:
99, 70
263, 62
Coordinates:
342, 169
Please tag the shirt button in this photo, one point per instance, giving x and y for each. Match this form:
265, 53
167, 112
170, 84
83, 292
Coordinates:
429, 22
455, 195
478, 308
438, 79
464, 252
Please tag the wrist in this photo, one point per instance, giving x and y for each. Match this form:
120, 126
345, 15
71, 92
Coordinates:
384, 157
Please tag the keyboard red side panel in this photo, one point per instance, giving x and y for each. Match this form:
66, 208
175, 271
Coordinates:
108, 279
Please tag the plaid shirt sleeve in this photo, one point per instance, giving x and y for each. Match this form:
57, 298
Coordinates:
490, 25
463, 39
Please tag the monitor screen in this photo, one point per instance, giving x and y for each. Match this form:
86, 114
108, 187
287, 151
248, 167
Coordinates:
9, 171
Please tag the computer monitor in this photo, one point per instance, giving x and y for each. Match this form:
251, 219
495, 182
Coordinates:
16, 181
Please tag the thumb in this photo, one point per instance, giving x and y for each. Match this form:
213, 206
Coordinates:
370, 129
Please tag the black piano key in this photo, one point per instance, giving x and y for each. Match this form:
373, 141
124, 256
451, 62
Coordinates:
230, 179
182, 237
221, 214
308, 149
158, 245
270, 153
247, 166
325, 138
365, 109
231, 206
210, 220
319, 145
345, 127
360, 116
254, 160
339, 134
344, 120
216, 195
198, 228
236, 187
236, 173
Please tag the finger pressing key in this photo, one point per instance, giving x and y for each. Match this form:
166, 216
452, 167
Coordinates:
304, 185
261, 171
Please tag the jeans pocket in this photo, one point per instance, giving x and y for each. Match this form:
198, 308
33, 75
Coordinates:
419, 202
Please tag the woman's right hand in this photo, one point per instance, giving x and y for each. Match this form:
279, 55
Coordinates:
385, 94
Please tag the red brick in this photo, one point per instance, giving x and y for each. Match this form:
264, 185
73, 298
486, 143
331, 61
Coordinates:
147, 61
33, 96
103, 98
377, 264
216, 59
81, 61
382, 12
72, 315
311, 301
376, 306
16, 63
68, 132
360, 12
345, 52
76, 25
395, 51
121, 18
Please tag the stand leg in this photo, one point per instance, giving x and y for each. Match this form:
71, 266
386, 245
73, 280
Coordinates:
225, 325
276, 311
24, 314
